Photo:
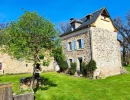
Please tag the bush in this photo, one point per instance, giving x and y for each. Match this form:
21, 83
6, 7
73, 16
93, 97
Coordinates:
84, 69
91, 66
60, 59
72, 70
63, 65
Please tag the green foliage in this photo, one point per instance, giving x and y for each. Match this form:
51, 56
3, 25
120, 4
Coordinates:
91, 66
63, 65
84, 69
46, 63
29, 36
60, 58
23, 91
72, 70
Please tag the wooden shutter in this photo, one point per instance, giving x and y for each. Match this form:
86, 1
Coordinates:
75, 45
72, 45
66, 46
82, 43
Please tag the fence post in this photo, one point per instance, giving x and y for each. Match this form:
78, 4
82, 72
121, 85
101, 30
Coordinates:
6, 91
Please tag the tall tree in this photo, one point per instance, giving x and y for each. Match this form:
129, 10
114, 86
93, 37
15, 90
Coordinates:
124, 34
28, 37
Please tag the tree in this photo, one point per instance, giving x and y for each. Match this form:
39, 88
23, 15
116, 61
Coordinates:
29, 37
65, 27
124, 34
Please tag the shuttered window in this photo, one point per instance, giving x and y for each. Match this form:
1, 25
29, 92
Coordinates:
80, 43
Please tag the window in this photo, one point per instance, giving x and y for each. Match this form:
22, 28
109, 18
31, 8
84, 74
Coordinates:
70, 46
0, 66
70, 60
80, 43
73, 26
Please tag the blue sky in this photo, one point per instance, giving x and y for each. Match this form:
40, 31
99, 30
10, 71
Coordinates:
61, 10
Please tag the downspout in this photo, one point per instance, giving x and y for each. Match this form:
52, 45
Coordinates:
91, 48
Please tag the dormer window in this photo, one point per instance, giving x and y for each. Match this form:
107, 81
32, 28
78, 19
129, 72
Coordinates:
75, 23
89, 16
73, 26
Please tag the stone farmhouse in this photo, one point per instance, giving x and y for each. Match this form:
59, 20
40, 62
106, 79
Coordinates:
93, 37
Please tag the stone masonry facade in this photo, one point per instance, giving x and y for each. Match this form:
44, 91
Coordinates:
102, 44
106, 51
13, 66
75, 54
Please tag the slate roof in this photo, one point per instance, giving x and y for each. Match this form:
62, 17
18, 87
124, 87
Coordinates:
86, 22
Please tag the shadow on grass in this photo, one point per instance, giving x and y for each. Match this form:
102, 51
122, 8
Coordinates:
45, 84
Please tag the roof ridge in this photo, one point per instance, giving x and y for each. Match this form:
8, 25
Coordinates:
93, 12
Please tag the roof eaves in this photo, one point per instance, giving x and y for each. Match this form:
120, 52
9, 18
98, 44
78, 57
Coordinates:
74, 30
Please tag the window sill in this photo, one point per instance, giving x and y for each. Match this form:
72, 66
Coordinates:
70, 50
80, 49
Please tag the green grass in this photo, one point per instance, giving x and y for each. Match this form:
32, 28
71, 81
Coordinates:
73, 88
14, 79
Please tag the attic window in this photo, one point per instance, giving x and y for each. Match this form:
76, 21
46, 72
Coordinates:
73, 26
104, 18
89, 17
104, 13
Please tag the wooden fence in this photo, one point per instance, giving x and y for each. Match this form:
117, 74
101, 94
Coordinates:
6, 91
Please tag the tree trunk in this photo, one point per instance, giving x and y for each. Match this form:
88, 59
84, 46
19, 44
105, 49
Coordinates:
33, 78
124, 56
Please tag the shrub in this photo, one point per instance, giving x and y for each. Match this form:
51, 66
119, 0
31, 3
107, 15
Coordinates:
60, 59
84, 69
72, 70
46, 63
63, 65
91, 66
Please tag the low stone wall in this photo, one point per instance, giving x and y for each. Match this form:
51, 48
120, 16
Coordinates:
27, 96
6, 93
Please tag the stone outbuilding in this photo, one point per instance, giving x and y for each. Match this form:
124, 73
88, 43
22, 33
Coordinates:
93, 37
9, 65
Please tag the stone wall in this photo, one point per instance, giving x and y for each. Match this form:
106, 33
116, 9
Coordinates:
75, 54
13, 66
106, 51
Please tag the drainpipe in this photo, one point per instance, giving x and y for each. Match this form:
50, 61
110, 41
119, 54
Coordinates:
91, 49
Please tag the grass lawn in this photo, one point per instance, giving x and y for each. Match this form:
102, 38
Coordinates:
73, 88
